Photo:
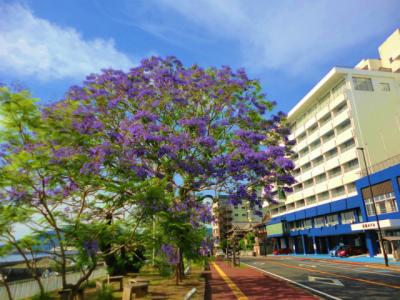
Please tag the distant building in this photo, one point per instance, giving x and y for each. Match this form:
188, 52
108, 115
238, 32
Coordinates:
228, 217
348, 109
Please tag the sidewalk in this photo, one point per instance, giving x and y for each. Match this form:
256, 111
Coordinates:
245, 283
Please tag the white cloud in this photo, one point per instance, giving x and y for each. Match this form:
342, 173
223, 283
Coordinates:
30, 46
287, 35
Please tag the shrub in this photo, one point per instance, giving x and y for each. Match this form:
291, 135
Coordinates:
105, 293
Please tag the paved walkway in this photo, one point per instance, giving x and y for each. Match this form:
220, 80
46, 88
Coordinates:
244, 283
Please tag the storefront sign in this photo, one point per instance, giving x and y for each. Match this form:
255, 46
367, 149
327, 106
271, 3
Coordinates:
385, 224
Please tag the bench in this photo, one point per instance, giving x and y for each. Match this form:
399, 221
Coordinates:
135, 290
109, 280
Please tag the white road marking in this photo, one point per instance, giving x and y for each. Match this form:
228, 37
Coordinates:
358, 269
331, 281
307, 265
294, 282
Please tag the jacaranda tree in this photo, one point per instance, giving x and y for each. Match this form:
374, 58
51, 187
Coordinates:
192, 128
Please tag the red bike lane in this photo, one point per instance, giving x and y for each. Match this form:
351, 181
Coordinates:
247, 283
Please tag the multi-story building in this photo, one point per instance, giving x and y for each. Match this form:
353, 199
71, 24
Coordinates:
349, 111
228, 217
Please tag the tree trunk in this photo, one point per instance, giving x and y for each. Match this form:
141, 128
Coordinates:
7, 288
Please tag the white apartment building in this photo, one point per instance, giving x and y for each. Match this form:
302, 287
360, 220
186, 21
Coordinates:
348, 108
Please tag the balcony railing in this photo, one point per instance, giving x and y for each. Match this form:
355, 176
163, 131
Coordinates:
382, 165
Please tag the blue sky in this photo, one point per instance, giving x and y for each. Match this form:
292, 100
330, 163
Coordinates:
48, 45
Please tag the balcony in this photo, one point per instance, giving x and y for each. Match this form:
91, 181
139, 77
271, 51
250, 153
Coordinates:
303, 160
335, 182
345, 135
308, 192
318, 170
326, 128
313, 136
301, 145
341, 117
306, 175
348, 155
310, 122
322, 112
326, 146
321, 187
315, 153
338, 100
332, 163
351, 176
299, 131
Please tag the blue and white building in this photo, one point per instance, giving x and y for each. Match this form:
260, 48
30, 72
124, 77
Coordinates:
349, 109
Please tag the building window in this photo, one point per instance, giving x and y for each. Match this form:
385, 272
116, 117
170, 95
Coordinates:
323, 196
347, 145
310, 200
331, 153
236, 215
306, 167
319, 222
384, 197
348, 217
351, 165
319, 160
326, 137
335, 172
320, 178
343, 126
332, 220
362, 84
338, 191
351, 188
315, 144
307, 223
384, 204
324, 119
385, 87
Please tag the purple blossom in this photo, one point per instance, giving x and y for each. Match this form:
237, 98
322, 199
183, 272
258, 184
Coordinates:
284, 163
171, 253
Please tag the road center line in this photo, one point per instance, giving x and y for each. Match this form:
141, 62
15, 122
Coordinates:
234, 288
294, 282
338, 275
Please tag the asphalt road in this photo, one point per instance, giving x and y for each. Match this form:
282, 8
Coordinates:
332, 279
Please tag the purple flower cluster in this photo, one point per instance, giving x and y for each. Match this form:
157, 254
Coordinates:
171, 253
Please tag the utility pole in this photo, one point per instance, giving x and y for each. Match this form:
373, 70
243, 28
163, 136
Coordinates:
375, 210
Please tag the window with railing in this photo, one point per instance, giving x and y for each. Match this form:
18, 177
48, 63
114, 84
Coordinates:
347, 145
343, 126
331, 153
339, 191
348, 217
306, 167
323, 196
339, 88
320, 178
303, 151
338, 109
317, 161
351, 188
301, 137
311, 200
328, 136
335, 172
312, 129
324, 119
300, 203
384, 86
351, 165
315, 144
308, 183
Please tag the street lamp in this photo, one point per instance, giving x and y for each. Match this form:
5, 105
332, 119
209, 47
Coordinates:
375, 210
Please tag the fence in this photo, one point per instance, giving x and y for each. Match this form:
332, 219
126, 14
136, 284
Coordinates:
27, 288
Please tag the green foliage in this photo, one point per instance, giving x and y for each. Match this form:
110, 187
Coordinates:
42, 296
105, 293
